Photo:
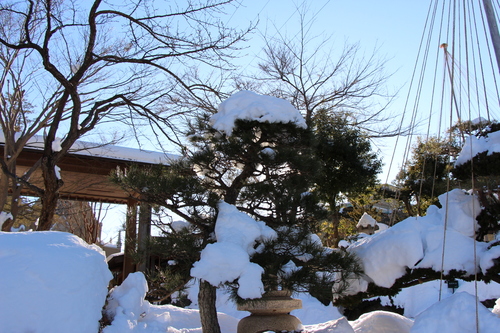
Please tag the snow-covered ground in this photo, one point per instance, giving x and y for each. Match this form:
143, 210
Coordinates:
55, 282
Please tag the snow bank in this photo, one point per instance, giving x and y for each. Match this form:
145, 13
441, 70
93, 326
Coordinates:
314, 312
386, 255
372, 322
340, 325
382, 321
131, 313
229, 258
247, 105
418, 242
418, 298
456, 314
51, 282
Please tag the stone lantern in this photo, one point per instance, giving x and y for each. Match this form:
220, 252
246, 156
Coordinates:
367, 225
270, 313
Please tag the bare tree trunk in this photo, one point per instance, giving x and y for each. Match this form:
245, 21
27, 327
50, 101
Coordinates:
4, 184
14, 208
208, 311
335, 222
408, 206
50, 195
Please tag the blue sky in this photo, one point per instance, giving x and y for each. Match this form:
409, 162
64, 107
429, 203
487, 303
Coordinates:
394, 27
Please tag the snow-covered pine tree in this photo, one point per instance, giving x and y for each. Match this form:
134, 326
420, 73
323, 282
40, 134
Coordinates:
265, 166
456, 239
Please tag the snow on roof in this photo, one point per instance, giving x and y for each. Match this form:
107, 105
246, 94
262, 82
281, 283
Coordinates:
104, 150
247, 105
122, 153
366, 221
382, 227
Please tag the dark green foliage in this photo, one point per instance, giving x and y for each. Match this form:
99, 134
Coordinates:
253, 159
426, 175
267, 170
493, 273
347, 162
482, 174
480, 166
315, 267
371, 305
346, 166
172, 257
488, 219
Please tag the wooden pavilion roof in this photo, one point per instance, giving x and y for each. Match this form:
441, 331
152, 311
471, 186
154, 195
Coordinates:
86, 177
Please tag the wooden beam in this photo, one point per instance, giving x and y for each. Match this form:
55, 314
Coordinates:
144, 236
130, 239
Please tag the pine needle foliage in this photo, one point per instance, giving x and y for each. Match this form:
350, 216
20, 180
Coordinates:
298, 262
271, 172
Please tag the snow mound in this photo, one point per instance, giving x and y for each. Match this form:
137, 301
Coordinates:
313, 312
372, 322
418, 298
456, 313
383, 322
340, 325
247, 105
131, 313
51, 282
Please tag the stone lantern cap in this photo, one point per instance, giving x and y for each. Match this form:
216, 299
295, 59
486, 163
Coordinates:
272, 303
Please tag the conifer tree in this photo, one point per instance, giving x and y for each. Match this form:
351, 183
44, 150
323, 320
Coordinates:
481, 174
346, 162
474, 169
426, 175
265, 169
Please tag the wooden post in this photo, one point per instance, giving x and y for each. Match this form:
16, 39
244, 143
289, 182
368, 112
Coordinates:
143, 237
130, 239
